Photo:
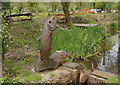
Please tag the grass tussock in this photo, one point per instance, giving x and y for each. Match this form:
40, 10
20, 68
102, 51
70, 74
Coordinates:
79, 42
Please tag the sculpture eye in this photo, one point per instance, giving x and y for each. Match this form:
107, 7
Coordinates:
50, 22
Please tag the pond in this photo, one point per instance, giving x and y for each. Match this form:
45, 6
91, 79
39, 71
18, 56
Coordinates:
109, 58
107, 61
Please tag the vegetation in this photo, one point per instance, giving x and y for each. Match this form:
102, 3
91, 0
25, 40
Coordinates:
30, 77
6, 34
16, 73
113, 80
20, 45
113, 28
83, 19
25, 35
66, 6
24, 77
79, 42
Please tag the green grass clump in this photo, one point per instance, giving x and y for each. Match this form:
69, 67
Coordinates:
113, 26
30, 77
112, 80
24, 77
79, 18
36, 41
52, 75
78, 42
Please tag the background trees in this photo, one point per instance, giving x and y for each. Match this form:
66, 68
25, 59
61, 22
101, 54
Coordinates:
36, 7
66, 6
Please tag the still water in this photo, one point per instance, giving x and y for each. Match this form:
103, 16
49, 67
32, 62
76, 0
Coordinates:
107, 61
109, 58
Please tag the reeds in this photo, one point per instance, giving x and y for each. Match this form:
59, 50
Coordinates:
78, 42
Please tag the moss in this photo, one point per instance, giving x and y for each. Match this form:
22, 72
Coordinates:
30, 77
52, 75
112, 80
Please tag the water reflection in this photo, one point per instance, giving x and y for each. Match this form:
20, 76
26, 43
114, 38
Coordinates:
109, 58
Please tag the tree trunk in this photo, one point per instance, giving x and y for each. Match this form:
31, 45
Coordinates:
93, 5
52, 8
109, 9
104, 5
105, 24
65, 6
30, 7
80, 5
36, 11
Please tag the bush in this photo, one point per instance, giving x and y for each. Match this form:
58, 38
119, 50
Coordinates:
80, 19
113, 28
86, 19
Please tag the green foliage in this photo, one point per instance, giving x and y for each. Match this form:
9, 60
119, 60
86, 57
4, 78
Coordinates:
17, 80
29, 77
83, 19
5, 79
24, 61
79, 42
114, 25
18, 75
12, 69
99, 5
6, 34
115, 6
21, 33
113, 28
80, 19
9, 81
113, 16
5, 5
24, 77
33, 77
36, 41
112, 80
43, 7
52, 75
33, 7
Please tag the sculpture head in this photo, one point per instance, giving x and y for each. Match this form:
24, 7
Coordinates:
52, 22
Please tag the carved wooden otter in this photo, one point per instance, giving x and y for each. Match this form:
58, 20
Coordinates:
45, 62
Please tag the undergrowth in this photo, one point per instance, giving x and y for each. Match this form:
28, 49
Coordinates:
79, 42
113, 80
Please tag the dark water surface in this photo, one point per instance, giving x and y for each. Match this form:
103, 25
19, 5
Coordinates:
109, 58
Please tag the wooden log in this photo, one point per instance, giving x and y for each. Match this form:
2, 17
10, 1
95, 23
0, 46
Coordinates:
15, 15
102, 74
98, 76
21, 20
85, 25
